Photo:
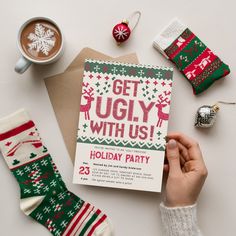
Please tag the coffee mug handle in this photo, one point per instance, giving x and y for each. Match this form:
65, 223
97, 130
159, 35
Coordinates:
22, 65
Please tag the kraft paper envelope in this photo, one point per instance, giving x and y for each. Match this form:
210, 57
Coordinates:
86, 53
64, 91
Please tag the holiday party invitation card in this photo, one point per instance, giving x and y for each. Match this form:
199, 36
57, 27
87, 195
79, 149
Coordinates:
123, 123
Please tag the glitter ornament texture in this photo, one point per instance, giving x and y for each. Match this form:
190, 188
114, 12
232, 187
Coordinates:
206, 116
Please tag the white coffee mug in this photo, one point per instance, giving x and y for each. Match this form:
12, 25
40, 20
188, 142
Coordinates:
25, 61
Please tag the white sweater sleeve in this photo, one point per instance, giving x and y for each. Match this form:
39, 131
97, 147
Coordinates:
180, 221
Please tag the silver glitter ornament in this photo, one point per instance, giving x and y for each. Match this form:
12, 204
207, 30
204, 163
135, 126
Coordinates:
206, 115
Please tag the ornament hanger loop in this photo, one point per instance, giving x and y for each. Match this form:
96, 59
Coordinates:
222, 102
137, 15
230, 103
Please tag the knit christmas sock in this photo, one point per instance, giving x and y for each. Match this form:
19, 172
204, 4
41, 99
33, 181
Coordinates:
44, 195
192, 57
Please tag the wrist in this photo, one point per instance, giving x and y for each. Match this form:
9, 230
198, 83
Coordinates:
177, 207
179, 203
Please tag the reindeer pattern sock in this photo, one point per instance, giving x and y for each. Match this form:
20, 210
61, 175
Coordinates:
43, 194
192, 57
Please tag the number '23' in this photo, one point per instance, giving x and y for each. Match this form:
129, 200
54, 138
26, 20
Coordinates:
84, 170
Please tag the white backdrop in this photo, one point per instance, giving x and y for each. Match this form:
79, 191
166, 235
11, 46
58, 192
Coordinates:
89, 23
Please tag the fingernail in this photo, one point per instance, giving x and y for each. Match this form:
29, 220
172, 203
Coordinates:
172, 144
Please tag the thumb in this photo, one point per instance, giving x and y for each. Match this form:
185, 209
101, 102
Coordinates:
173, 156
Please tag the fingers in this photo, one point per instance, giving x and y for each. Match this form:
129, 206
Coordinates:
166, 168
194, 165
183, 139
184, 155
190, 166
173, 156
189, 143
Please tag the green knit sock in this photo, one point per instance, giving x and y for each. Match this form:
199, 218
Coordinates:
44, 195
193, 58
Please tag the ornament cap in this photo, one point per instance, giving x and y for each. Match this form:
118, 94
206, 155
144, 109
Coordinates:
125, 21
215, 108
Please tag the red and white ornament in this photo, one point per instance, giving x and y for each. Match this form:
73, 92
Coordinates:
121, 32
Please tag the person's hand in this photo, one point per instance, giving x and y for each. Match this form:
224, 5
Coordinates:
186, 170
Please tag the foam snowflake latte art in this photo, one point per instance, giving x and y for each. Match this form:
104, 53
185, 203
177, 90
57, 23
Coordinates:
41, 40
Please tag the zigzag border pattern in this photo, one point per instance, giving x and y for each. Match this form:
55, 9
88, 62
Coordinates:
121, 143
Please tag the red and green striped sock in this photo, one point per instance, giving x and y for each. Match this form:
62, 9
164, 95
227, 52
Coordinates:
44, 195
192, 57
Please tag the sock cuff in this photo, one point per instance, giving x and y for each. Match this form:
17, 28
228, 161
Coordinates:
13, 120
168, 35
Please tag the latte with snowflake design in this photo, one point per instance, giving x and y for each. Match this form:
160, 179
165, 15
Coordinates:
41, 40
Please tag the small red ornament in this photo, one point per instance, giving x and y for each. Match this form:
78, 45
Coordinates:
121, 32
